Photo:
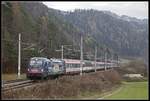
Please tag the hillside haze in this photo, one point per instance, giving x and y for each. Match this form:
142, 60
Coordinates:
124, 34
46, 29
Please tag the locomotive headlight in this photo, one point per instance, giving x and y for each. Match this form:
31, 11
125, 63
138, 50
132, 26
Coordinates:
41, 70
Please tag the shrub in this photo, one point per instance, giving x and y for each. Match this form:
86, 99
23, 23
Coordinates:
69, 86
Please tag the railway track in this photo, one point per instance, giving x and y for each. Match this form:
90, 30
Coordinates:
11, 81
15, 84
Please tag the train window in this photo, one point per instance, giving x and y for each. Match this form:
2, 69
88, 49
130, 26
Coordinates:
70, 65
67, 65
45, 65
77, 65
32, 62
73, 65
36, 63
48, 64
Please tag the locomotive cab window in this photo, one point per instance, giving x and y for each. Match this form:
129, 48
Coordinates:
36, 63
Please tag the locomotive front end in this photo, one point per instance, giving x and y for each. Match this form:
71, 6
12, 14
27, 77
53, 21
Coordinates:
36, 69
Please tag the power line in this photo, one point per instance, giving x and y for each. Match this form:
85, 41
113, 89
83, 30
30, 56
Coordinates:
25, 43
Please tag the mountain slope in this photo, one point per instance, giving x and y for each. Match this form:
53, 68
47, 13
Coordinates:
44, 30
128, 37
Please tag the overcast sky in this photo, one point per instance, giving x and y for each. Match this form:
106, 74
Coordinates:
133, 9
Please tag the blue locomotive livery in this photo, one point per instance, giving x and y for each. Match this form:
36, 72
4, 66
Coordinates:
38, 67
43, 67
57, 67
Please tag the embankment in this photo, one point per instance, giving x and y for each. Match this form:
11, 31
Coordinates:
68, 86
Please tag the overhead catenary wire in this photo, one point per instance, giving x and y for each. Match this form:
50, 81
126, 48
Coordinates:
15, 41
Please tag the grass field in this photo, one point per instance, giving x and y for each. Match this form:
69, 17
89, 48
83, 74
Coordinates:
131, 90
12, 76
127, 91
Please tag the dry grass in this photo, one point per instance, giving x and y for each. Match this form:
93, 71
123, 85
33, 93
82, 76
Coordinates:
68, 86
133, 67
13, 76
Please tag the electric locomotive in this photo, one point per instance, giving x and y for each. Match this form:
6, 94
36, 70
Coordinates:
38, 67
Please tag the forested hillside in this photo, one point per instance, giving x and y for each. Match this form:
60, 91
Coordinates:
126, 35
43, 31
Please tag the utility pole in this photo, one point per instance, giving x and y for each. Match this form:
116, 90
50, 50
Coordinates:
112, 61
62, 49
81, 56
19, 55
117, 61
95, 57
105, 60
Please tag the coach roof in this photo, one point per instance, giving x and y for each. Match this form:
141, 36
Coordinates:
40, 58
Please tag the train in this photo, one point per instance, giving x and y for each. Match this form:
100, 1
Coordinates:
43, 67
